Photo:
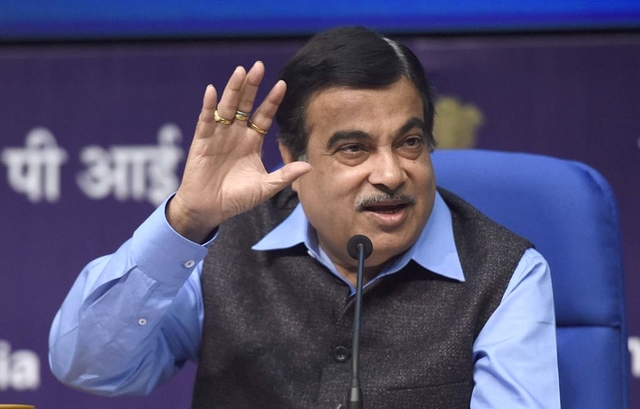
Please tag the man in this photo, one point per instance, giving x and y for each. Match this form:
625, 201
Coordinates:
458, 312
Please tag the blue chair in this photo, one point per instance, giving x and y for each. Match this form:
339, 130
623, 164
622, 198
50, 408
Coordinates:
569, 212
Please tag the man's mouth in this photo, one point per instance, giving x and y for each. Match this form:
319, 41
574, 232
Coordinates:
386, 208
385, 204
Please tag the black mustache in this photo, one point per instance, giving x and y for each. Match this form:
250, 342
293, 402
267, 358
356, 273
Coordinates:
367, 201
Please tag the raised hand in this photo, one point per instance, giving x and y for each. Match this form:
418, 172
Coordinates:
224, 174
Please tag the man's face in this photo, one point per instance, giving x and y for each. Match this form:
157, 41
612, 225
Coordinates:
372, 171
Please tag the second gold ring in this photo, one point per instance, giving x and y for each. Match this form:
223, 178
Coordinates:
256, 128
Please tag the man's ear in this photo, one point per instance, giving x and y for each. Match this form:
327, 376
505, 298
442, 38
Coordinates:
287, 157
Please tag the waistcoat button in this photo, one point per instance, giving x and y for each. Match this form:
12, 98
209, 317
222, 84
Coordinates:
340, 354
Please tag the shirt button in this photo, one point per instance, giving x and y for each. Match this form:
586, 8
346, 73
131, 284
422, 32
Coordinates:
142, 321
310, 253
189, 263
340, 354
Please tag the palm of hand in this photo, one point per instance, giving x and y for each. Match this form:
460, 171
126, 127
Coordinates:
224, 174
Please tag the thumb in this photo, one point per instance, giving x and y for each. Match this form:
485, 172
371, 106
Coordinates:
283, 177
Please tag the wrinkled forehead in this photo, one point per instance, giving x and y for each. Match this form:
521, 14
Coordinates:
363, 108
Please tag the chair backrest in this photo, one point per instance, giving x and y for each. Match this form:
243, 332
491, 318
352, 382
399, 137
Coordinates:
568, 211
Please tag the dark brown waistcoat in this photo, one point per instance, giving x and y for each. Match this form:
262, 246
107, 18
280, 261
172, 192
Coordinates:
277, 322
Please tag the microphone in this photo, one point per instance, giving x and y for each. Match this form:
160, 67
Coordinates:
354, 250
359, 247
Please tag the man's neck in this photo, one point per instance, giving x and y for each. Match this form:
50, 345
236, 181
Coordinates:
351, 274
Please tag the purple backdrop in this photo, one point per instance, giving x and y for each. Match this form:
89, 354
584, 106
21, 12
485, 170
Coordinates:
83, 127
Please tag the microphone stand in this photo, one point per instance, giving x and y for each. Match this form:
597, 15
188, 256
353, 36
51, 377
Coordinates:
359, 247
355, 400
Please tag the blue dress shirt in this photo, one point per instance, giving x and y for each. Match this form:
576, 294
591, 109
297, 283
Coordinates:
133, 318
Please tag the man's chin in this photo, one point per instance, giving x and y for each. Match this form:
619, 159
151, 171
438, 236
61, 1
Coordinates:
385, 251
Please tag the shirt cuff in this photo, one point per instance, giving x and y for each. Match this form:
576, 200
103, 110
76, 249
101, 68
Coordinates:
162, 253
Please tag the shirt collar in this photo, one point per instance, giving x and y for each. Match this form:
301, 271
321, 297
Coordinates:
435, 249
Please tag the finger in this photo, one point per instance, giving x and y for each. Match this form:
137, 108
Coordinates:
250, 87
283, 177
263, 117
206, 121
231, 95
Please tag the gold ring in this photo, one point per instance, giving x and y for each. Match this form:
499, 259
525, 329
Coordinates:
257, 128
242, 116
220, 119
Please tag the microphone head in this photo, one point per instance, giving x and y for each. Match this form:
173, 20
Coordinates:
352, 246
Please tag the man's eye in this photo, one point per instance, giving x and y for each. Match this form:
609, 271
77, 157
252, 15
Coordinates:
413, 141
351, 148
352, 153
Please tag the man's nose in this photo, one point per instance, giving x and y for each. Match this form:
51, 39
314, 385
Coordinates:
387, 171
